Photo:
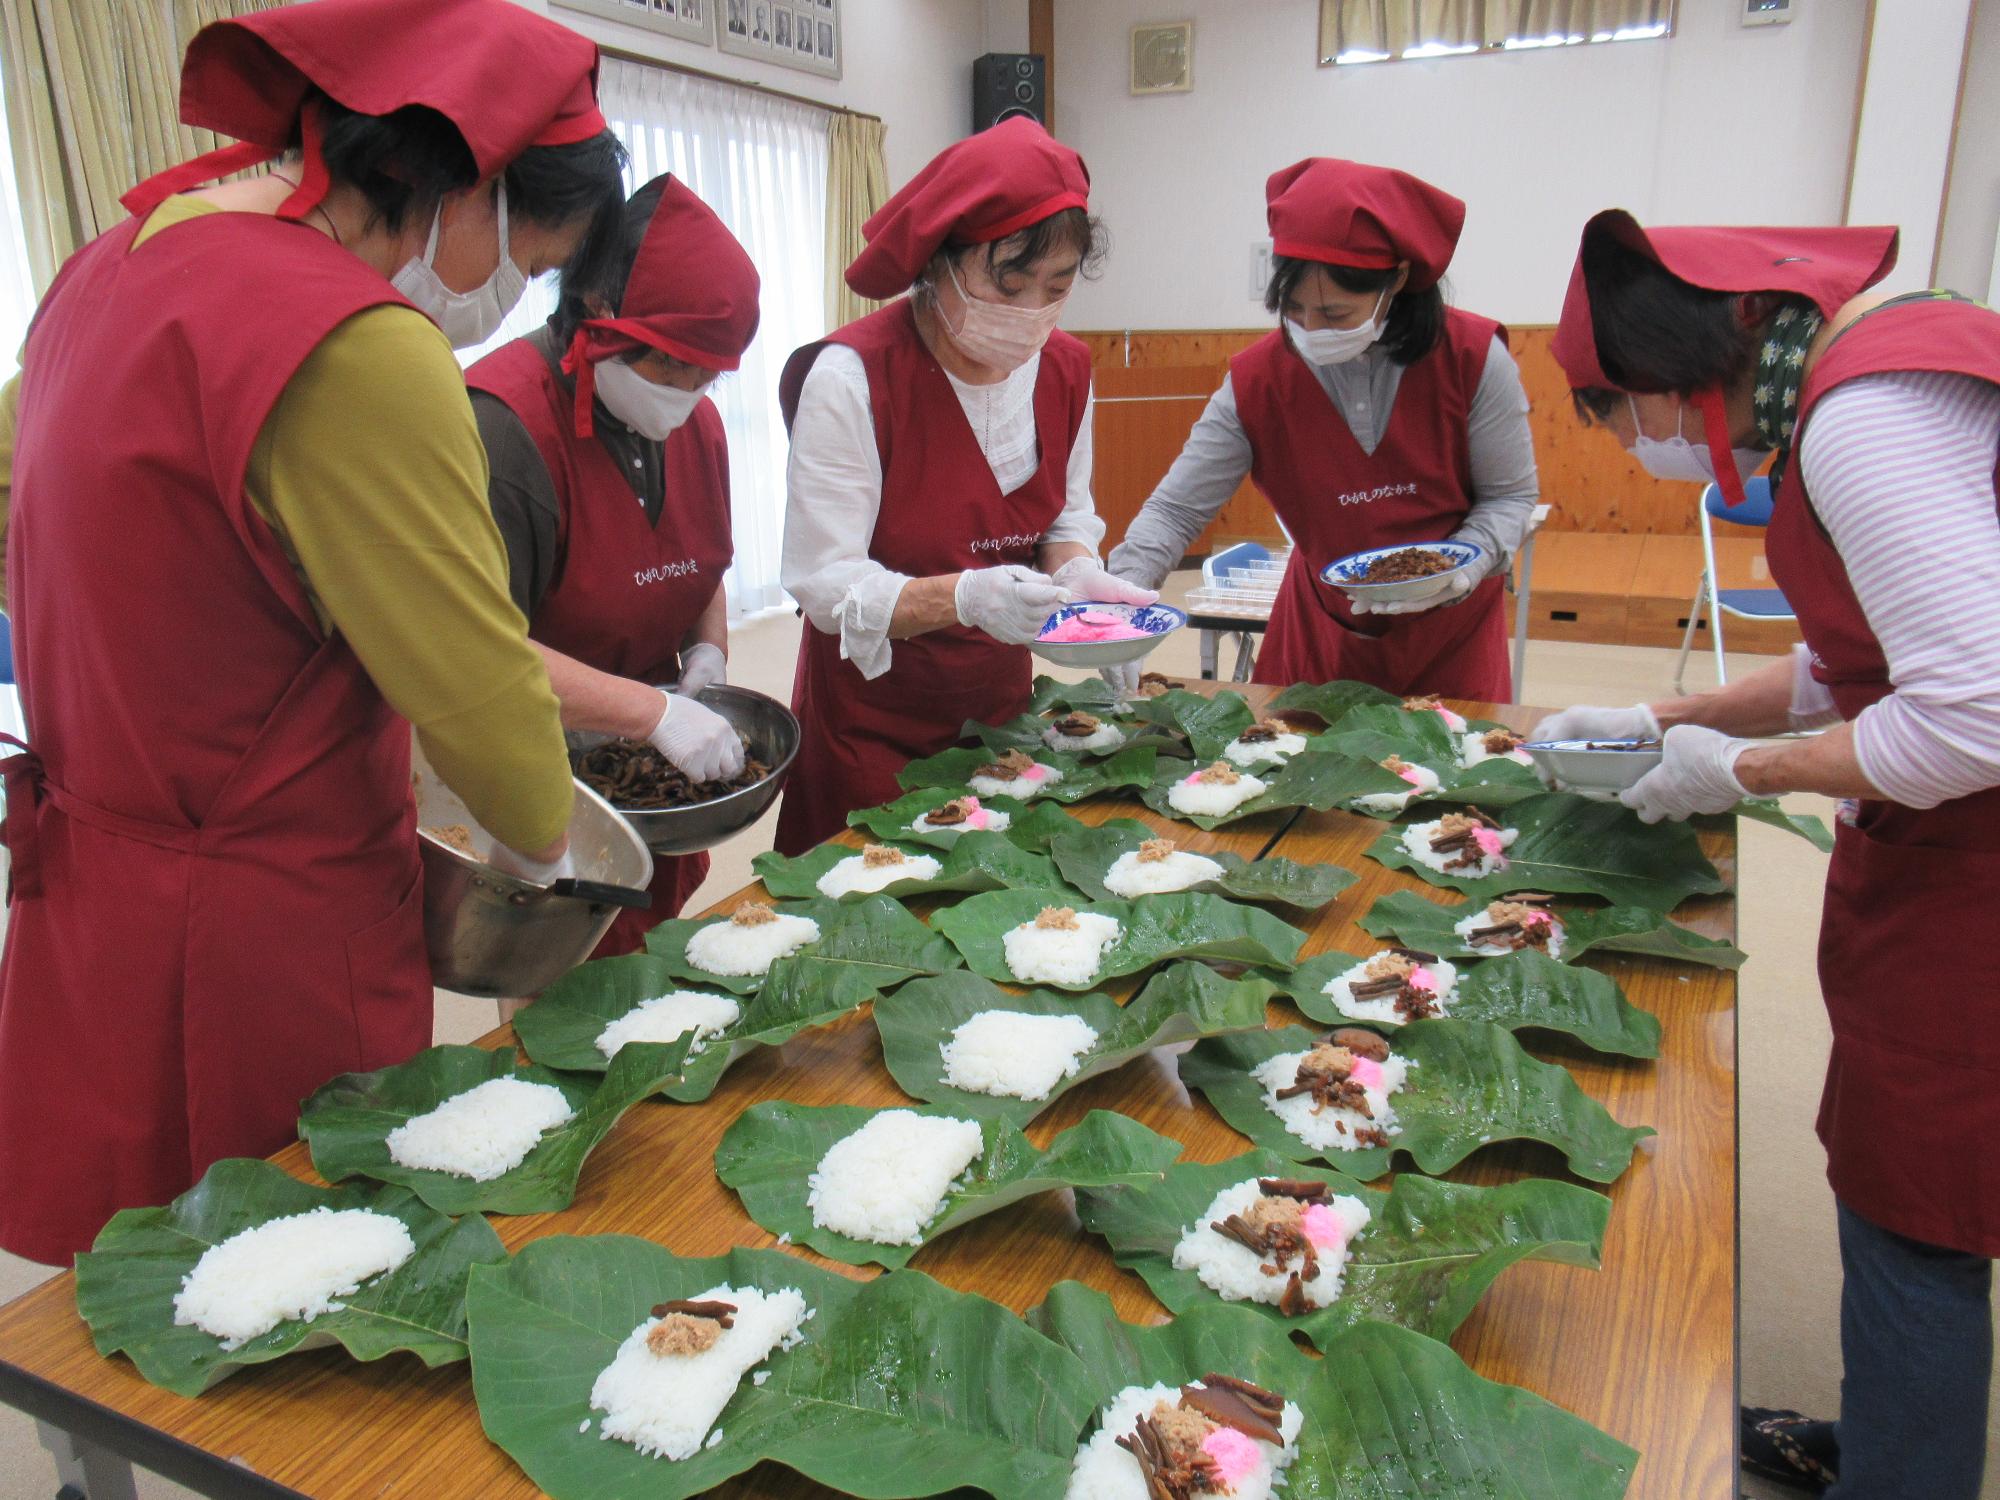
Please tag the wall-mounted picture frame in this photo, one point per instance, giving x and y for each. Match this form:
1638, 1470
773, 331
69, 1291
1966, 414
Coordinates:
1163, 57
688, 20
801, 34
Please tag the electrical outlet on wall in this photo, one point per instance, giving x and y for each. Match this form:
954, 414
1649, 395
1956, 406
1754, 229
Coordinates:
1260, 269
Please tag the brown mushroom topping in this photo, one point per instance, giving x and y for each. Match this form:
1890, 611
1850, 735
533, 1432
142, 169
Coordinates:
1056, 919
1221, 773
1152, 684
1152, 851
1077, 725
1420, 703
1009, 767
1361, 1043
882, 856
1514, 924
1386, 976
1228, 1402
956, 811
1502, 741
753, 914
1263, 732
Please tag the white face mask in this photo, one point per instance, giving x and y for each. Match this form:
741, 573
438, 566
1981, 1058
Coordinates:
1677, 458
650, 410
997, 335
1336, 346
467, 318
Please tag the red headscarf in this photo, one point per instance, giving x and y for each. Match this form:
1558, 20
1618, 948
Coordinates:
692, 293
1347, 213
1829, 266
506, 78
982, 189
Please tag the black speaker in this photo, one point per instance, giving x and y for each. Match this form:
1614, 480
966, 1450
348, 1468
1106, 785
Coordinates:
1005, 84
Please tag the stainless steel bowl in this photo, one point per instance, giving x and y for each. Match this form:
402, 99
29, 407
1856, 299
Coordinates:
491, 933
773, 736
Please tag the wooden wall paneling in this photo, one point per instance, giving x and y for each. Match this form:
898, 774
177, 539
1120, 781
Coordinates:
1143, 418
1663, 586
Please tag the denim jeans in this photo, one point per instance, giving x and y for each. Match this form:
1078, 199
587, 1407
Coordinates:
1916, 1340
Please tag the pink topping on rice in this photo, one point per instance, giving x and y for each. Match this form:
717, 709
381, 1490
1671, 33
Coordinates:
1234, 1454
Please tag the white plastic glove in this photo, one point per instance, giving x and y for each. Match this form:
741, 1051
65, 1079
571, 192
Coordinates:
1123, 677
698, 740
702, 665
1582, 723
537, 872
1010, 603
1697, 774
1088, 579
1460, 586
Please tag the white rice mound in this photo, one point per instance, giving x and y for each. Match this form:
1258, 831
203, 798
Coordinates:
668, 1017
722, 947
1105, 1471
1417, 844
1283, 748
1472, 750
1129, 876
1318, 1130
1020, 788
664, 1404
1104, 737
1014, 1053
1388, 804
854, 875
996, 822
288, 1268
888, 1179
1037, 955
1464, 925
1202, 799
1232, 1270
1340, 989
482, 1133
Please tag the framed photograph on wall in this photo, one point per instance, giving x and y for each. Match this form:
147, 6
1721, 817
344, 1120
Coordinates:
1163, 58
689, 20
802, 34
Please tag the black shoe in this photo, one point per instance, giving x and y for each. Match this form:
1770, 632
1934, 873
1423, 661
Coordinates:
1789, 1448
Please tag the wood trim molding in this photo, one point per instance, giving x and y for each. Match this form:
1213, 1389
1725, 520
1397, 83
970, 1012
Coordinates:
1860, 100
1951, 152
1042, 39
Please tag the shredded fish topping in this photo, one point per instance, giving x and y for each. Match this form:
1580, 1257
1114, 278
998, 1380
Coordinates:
1222, 773
881, 856
753, 914
1056, 919
1154, 850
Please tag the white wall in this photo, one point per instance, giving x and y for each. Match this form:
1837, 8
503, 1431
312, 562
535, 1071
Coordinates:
1972, 214
1720, 123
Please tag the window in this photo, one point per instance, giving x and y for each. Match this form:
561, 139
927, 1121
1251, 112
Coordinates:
1365, 31
17, 284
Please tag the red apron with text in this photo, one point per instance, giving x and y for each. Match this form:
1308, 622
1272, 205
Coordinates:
942, 512
1336, 499
217, 904
1910, 1116
625, 592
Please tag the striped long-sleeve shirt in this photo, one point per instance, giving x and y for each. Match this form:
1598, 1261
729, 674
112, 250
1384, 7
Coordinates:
1900, 469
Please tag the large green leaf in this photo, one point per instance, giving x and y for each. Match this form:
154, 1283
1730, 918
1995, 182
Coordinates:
900, 1387
1082, 776
1330, 702
1179, 1004
346, 1122
1315, 779
1420, 923
773, 1147
1085, 854
1521, 990
875, 936
1091, 694
1029, 826
125, 1283
1207, 721
1428, 1254
1766, 810
1152, 929
1389, 1412
1570, 843
1373, 730
976, 861
1469, 1084
561, 1028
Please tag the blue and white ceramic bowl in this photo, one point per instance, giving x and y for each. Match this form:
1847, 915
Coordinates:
1348, 573
1594, 768
1158, 621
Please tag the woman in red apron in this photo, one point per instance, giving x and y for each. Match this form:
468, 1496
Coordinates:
216, 902
1706, 350
939, 486
1373, 416
610, 485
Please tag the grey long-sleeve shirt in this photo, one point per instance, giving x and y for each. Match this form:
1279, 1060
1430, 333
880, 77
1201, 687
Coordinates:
1217, 456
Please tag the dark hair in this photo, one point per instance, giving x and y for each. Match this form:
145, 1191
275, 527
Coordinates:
1416, 319
404, 163
603, 262
1072, 229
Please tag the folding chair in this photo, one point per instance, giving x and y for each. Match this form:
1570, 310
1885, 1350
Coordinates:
1744, 604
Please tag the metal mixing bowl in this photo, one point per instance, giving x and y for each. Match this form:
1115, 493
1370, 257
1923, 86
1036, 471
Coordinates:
773, 736
491, 933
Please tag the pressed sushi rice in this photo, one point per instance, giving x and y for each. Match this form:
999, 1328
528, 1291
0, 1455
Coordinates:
1014, 1053
1104, 737
287, 1268
1021, 787
731, 947
855, 875
1264, 752
666, 1018
663, 1404
1472, 750
1422, 779
1205, 798
1105, 1471
1416, 841
1131, 874
1041, 952
888, 1179
1330, 1127
1485, 917
482, 1133
1234, 1271
991, 819
1340, 989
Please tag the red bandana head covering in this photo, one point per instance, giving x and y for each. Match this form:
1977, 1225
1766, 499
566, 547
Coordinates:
1347, 213
506, 78
982, 189
1828, 266
691, 293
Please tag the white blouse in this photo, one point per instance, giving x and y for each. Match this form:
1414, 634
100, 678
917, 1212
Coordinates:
834, 494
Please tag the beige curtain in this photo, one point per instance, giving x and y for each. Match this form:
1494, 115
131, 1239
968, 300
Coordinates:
1395, 26
857, 183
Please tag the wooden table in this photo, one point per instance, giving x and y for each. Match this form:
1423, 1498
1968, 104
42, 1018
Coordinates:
1644, 1348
